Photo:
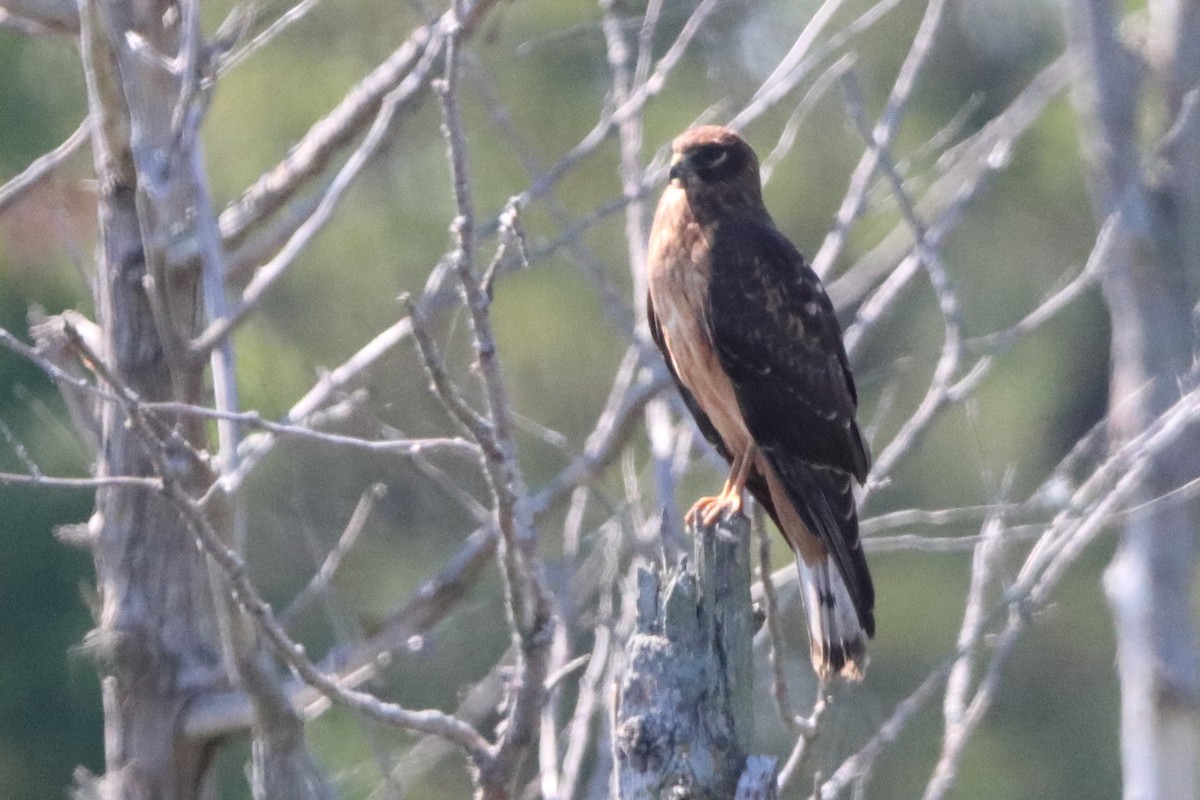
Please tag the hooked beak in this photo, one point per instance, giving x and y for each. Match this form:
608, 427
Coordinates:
679, 168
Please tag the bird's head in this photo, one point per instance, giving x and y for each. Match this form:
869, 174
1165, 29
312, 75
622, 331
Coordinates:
717, 170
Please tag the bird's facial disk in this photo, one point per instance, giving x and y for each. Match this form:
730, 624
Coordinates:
709, 163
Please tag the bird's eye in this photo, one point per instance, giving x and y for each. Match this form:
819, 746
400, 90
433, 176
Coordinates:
709, 156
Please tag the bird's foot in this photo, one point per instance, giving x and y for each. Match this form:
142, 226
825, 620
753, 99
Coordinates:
708, 510
699, 510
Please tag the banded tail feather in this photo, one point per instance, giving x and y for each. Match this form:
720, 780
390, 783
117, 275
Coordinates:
837, 641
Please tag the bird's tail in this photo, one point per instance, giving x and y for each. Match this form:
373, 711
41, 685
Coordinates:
836, 638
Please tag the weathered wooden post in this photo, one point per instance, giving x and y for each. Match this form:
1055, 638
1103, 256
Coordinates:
685, 719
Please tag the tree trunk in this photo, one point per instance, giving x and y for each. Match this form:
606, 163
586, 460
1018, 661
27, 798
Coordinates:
156, 635
685, 717
1150, 287
159, 638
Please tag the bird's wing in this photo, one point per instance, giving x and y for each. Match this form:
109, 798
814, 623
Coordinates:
702, 421
776, 336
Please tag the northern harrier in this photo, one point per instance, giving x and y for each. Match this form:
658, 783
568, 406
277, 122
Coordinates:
753, 344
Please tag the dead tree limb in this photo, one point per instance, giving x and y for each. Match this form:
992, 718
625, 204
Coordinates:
685, 720
1149, 285
161, 638
156, 637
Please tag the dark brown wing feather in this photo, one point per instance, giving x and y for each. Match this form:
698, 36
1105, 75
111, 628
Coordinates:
776, 336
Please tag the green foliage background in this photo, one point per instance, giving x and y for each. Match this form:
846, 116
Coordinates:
1053, 731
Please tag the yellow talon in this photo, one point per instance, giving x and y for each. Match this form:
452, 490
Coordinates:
709, 509
731, 502
701, 509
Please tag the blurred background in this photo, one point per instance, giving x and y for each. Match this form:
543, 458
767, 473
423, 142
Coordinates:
1053, 731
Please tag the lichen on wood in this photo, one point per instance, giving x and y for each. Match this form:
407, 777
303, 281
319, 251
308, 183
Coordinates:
685, 719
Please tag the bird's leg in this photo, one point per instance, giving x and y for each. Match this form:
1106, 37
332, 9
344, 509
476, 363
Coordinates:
709, 509
703, 507
730, 499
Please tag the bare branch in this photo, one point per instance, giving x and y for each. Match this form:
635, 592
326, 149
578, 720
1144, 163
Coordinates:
779, 687
321, 579
938, 393
266, 276
470, 420
88, 484
863, 761
332, 383
971, 163
807, 731
958, 683
528, 598
881, 139
633, 105
293, 654
43, 167
40, 17
294, 14
314, 152
402, 446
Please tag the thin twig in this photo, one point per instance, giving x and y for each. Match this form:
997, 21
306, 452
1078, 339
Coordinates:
43, 166
478, 427
787, 139
277, 267
285, 20
966, 169
19, 450
332, 133
958, 683
612, 297
581, 729
807, 731
632, 105
293, 654
52, 370
882, 137
779, 686
330, 385
528, 605
87, 484
915, 543
402, 446
324, 575
437, 596
862, 762
938, 393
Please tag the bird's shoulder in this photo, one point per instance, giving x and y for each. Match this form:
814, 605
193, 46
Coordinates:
778, 340
758, 275
755, 234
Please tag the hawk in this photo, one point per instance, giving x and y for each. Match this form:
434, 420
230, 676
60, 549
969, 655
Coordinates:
753, 344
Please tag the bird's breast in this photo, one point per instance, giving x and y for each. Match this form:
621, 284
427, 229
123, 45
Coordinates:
680, 271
